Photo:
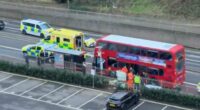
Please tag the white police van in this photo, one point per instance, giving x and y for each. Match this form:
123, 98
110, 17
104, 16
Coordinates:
35, 27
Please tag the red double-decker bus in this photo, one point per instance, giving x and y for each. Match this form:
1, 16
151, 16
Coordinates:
162, 61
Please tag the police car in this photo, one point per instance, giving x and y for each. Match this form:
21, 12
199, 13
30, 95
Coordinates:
88, 41
33, 50
35, 27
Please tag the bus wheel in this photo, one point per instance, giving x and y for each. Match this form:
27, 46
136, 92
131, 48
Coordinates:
24, 32
42, 35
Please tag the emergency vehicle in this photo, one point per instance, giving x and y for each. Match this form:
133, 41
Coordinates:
66, 38
35, 27
33, 50
89, 41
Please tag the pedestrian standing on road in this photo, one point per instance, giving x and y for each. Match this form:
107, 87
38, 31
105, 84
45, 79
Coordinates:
38, 60
41, 56
130, 80
26, 59
137, 80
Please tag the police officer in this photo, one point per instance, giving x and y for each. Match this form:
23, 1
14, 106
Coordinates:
26, 59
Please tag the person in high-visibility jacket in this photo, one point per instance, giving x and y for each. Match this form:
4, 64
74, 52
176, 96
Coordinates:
137, 80
130, 80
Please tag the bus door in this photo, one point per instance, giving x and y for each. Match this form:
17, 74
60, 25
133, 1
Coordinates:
78, 42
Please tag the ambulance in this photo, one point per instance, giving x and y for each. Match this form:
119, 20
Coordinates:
35, 27
66, 38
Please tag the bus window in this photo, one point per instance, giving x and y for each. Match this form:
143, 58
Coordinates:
135, 51
102, 44
153, 71
111, 61
122, 48
161, 72
153, 54
165, 56
179, 62
66, 40
112, 46
47, 38
143, 52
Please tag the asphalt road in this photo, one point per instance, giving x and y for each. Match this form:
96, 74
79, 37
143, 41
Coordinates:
24, 93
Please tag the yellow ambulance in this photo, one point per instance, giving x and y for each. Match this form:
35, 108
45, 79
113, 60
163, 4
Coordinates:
66, 38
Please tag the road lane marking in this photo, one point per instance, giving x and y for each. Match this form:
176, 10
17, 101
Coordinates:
69, 96
68, 107
90, 100
58, 82
192, 72
190, 83
192, 51
164, 107
6, 78
19, 36
51, 92
15, 84
11, 48
146, 100
32, 88
192, 60
138, 105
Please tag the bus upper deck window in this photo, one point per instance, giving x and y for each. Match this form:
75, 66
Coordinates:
165, 56
143, 52
153, 54
112, 46
102, 44
122, 48
135, 50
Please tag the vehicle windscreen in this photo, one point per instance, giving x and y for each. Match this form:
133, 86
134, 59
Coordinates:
45, 26
86, 37
179, 61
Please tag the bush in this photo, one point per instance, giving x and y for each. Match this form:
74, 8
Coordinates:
55, 75
173, 97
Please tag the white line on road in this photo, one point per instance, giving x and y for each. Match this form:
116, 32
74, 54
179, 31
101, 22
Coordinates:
13, 29
193, 60
15, 84
6, 78
138, 105
11, 48
69, 96
41, 101
165, 104
90, 100
32, 88
190, 83
164, 107
51, 92
192, 51
196, 73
